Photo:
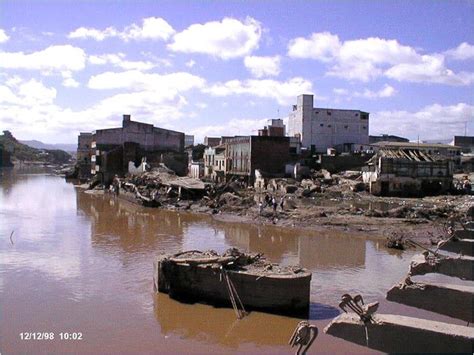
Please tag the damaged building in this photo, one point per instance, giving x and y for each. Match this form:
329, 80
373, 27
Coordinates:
436, 150
244, 155
408, 172
214, 163
112, 149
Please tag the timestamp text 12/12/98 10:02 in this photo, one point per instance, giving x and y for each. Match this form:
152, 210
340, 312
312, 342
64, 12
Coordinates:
51, 336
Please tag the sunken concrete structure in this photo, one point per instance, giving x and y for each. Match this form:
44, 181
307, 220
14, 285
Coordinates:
407, 172
460, 267
455, 301
113, 148
214, 279
460, 246
323, 128
268, 154
399, 334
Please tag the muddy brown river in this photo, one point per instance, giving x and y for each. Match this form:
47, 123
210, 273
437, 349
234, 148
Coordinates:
79, 266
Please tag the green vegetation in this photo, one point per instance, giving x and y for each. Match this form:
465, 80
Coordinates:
22, 152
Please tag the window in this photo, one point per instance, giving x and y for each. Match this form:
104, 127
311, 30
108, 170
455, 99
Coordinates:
346, 126
364, 127
321, 125
329, 125
329, 113
357, 115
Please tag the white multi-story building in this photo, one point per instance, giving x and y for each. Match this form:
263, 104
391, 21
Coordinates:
323, 128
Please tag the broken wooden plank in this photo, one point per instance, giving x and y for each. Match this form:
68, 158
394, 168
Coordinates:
451, 300
460, 267
460, 246
399, 334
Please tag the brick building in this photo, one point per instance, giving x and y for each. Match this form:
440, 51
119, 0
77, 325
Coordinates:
246, 154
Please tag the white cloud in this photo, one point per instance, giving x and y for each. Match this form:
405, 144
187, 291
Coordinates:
322, 46
369, 58
443, 121
341, 92
386, 91
190, 63
28, 109
229, 38
27, 93
118, 61
136, 81
3, 36
153, 28
284, 92
430, 69
263, 66
98, 35
462, 52
245, 126
70, 83
51, 59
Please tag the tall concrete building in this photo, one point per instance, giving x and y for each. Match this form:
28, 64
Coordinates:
323, 128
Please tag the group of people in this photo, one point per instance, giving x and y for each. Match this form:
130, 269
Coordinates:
272, 201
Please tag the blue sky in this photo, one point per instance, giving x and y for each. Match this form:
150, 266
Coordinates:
224, 67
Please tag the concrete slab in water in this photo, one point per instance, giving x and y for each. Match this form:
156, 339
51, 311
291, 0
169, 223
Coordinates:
460, 246
464, 233
397, 334
452, 300
460, 267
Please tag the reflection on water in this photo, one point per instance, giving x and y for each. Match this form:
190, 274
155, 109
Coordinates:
84, 262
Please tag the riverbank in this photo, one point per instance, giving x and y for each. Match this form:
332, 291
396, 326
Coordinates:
333, 204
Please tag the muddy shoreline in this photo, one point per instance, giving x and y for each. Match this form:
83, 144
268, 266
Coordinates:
324, 202
303, 215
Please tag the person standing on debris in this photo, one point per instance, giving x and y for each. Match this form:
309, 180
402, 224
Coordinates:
274, 204
267, 199
260, 208
466, 185
282, 202
116, 184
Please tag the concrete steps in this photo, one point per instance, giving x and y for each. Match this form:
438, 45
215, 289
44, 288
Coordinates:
460, 267
455, 301
399, 334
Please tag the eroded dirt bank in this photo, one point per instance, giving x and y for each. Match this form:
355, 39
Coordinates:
323, 202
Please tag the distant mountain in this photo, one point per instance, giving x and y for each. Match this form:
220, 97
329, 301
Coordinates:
23, 152
40, 145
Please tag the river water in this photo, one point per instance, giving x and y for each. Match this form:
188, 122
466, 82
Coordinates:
83, 263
